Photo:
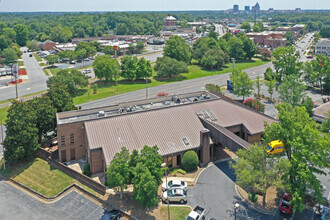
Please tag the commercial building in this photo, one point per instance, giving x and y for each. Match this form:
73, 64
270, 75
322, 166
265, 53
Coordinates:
323, 46
270, 39
256, 8
199, 121
320, 112
47, 45
235, 8
129, 38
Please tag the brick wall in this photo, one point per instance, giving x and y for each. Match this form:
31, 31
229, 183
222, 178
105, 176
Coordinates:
96, 162
77, 149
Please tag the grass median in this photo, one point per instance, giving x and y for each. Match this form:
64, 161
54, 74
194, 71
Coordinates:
176, 212
41, 177
109, 89
38, 58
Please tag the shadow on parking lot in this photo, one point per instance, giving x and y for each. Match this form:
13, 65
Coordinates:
225, 168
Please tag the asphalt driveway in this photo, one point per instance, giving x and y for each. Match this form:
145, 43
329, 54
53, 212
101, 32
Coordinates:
215, 191
16, 204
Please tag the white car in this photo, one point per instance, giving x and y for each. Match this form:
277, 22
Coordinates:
174, 183
175, 195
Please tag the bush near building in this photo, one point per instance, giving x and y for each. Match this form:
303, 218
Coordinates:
254, 104
190, 161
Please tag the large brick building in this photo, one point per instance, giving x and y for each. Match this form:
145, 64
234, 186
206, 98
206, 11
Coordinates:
271, 39
169, 23
199, 121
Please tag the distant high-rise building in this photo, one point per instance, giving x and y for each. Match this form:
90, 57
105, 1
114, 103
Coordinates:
256, 7
298, 9
247, 8
235, 8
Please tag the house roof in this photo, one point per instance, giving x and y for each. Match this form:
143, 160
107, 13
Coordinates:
167, 127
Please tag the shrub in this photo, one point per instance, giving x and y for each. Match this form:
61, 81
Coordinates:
181, 171
213, 88
175, 172
190, 161
87, 170
254, 104
252, 197
95, 87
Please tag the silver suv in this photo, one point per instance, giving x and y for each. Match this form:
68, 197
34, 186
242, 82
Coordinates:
175, 195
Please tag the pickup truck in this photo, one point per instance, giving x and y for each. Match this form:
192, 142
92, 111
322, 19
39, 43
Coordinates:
197, 214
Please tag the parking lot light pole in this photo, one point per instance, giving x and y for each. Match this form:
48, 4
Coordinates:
146, 87
235, 208
166, 189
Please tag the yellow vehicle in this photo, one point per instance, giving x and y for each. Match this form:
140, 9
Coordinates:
275, 147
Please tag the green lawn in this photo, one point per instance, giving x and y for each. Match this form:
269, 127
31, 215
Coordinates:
124, 86
38, 58
20, 63
3, 113
40, 176
54, 71
177, 212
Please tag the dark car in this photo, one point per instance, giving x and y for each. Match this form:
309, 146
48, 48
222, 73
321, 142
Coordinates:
111, 215
285, 205
30, 55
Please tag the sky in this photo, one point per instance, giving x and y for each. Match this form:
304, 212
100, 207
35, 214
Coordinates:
152, 5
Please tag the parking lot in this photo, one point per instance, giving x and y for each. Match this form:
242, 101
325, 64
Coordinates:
15, 204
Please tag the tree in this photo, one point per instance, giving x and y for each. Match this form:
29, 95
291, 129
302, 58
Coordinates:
52, 59
108, 50
73, 79
121, 29
317, 71
269, 74
307, 102
152, 160
45, 115
291, 90
287, 62
129, 67
258, 27
60, 34
32, 45
325, 127
325, 32
258, 85
60, 97
139, 46
289, 37
9, 33
213, 58
306, 149
213, 34
168, 67
10, 57
202, 45
242, 84
256, 172
190, 161
235, 46
22, 134
105, 67
3, 43
265, 54
131, 48
17, 49
248, 47
22, 34
246, 26
178, 49
144, 68
41, 37
86, 49
145, 187
271, 85
118, 171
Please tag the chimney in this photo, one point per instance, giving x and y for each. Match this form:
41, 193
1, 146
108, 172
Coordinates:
205, 146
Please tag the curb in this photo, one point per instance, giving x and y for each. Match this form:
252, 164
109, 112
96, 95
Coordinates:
253, 206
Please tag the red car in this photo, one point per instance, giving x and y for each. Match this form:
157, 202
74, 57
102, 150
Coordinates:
285, 205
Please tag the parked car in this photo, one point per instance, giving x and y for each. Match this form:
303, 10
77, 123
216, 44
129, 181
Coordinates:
84, 72
72, 62
285, 205
30, 55
309, 56
197, 213
175, 195
111, 215
88, 71
86, 59
174, 184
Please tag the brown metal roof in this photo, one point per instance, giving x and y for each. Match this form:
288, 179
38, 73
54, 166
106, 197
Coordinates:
167, 127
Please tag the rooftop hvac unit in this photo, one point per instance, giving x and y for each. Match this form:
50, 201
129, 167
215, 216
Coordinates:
101, 114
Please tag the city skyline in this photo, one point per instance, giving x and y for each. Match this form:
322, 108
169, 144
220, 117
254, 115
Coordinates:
151, 5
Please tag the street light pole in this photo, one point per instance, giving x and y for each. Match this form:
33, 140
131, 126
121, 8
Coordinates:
116, 71
233, 60
236, 206
3, 147
146, 87
166, 189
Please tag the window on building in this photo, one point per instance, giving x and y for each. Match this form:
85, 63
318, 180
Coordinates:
71, 138
63, 140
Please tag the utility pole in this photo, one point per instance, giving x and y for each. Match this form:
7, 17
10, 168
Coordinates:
146, 87
116, 48
3, 147
233, 60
